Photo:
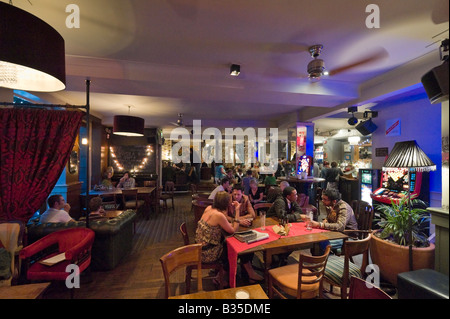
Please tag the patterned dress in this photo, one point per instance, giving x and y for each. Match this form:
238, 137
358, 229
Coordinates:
212, 239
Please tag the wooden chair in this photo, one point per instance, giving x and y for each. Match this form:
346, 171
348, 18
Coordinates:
189, 255
199, 208
130, 199
302, 280
109, 202
169, 189
364, 217
361, 289
10, 237
217, 267
340, 269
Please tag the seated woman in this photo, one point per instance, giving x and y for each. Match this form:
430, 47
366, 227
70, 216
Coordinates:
107, 182
255, 194
211, 230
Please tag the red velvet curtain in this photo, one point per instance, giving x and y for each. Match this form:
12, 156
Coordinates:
35, 146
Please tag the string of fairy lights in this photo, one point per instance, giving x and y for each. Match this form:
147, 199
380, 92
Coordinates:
135, 169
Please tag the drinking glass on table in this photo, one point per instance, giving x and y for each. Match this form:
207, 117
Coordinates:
309, 219
262, 216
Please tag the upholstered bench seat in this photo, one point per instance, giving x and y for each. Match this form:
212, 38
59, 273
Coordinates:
335, 268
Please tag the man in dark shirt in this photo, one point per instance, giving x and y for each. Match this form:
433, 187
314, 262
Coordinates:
286, 207
331, 176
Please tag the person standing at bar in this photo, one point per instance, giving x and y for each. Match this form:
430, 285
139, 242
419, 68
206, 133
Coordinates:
332, 176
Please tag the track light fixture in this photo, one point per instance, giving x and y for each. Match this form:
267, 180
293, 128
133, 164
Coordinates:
235, 69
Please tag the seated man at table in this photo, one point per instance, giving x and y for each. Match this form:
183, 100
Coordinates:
246, 211
126, 181
224, 186
286, 207
340, 216
58, 211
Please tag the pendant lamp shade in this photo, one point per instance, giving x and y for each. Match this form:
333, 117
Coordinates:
408, 154
128, 125
32, 53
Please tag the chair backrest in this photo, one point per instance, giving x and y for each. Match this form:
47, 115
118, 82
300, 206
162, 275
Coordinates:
364, 214
262, 207
319, 192
353, 248
169, 187
199, 207
311, 270
183, 231
181, 179
151, 183
130, 194
181, 257
109, 202
9, 237
361, 289
302, 199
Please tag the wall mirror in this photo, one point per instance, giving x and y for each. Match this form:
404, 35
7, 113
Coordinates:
73, 162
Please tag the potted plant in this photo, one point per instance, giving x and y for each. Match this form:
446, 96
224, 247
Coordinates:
389, 248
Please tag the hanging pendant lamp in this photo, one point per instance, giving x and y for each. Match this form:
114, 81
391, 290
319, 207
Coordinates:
32, 53
127, 125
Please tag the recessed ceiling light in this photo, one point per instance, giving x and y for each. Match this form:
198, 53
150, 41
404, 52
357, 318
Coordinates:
235, 69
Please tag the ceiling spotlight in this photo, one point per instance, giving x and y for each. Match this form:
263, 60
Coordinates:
352, 121
235, 69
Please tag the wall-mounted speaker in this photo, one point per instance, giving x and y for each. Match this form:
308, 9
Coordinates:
435, 83
366, 127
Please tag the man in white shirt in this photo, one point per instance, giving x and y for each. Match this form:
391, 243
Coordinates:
58, 211
225, 186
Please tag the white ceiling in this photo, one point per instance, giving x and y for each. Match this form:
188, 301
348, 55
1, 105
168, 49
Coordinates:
164, 57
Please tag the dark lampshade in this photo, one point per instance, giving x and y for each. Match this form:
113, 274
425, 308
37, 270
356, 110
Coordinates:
128, 125
32, 53
408, 154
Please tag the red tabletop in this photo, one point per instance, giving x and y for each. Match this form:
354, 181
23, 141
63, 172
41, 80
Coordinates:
235, 246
